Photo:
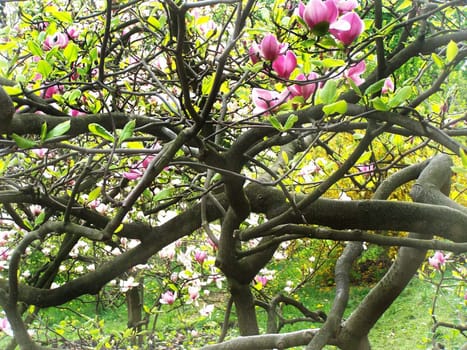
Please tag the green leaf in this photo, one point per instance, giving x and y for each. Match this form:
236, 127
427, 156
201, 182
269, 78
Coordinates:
153, 21
339, 107
438, 60
43, 131
206, 85
328, 94
62, 16
459, 170
127, 131
35, 49
355, 87
23, 142
375, 87
400, 96
463, 155
59, 130
13, 90
291, 120
276, 123
44, 68
99, 130
379, 104
451, 51
164, 194
71, 52
405, 4
332, 62
94, 194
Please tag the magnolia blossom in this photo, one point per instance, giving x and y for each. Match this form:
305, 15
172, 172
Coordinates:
319, 15
58, 39
266, 100
261, 279
6, 327
270, 48
73, 32
193, 292
200, 256
355, 72
304, 90
284, 65
347, 28
133, 174
168, 298
52, 90
130, 283
366, 169
346, 5
388, 86
206, 310
76, 113
437, 260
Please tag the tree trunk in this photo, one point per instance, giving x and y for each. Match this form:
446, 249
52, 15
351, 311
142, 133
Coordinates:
245, 307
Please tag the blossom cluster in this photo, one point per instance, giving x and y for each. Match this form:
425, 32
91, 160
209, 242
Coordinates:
330, 16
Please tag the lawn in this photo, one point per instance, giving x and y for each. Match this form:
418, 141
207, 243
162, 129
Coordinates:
406, 324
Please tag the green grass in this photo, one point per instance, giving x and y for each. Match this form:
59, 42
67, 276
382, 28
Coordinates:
405, 325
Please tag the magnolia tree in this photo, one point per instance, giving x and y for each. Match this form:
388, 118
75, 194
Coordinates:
188, 150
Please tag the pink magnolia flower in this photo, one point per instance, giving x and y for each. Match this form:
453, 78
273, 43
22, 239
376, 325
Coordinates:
347, 28
261, 279
388, 86
6, 327
304, 90
345, 6
146, 161
270, 48
52, 90
168, 298
284, 65
130, 283
133, 174
193, 292
366, 169
266, 100
437, 260
200, 256
73, 32
355, 72
254, 53
58, 39
319, 15
76, 113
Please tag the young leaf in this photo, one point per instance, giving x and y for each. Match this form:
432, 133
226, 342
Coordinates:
375, 87
291, 120
35, 48
438, 60
276, 123
94, 194
127, 131
23, 142
451, 51
463, 155
43, 131
355, 87
99, 130
44, 68
400, 96
328, 93
59, 130
164, 194
379, 104
338, 107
